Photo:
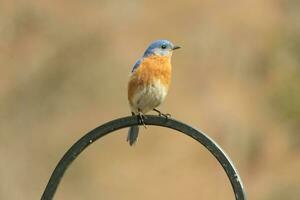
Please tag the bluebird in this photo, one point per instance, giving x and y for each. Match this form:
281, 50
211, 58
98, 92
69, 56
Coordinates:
149, 82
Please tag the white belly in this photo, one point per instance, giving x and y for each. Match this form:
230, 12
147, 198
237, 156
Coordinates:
149, 97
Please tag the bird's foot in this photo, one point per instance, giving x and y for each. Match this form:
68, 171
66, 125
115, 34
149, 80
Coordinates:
166, 115
141, 118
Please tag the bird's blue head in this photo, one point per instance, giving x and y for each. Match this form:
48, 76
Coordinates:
160, 48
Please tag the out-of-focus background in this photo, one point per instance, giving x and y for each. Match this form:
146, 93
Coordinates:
64, 71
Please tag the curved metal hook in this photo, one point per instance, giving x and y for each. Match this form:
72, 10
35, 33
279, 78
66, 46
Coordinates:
120, 123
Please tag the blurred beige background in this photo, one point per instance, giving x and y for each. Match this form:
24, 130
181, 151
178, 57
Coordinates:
64, 71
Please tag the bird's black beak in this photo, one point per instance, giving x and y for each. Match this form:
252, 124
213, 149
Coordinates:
176, 47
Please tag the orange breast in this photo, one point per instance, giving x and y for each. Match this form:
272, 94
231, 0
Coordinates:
151, 69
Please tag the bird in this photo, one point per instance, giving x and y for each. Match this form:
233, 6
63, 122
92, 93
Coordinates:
149, 82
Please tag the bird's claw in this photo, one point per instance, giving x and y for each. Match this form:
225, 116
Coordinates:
167, 115
141, 119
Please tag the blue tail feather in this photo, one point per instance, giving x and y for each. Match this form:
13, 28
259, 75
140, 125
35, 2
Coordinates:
132, 135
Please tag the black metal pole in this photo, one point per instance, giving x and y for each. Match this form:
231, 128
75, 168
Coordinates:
117, 124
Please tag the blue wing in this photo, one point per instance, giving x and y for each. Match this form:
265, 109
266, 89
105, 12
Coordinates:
136, 65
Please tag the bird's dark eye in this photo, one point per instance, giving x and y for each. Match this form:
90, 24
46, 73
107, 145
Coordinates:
163, 46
